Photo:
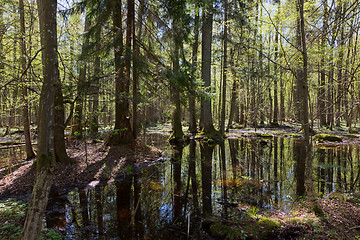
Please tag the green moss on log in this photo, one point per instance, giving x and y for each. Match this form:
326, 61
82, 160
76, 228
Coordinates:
326, 137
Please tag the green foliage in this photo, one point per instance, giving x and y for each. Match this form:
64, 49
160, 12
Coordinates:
51, 235
326, 137
12, 215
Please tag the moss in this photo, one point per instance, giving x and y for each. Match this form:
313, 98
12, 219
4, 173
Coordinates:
45, 161
269, 223
223, 231
326, 137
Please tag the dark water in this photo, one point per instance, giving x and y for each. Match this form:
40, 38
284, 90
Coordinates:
169, 200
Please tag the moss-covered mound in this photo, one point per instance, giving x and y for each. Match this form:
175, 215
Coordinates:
321, 137
248, 228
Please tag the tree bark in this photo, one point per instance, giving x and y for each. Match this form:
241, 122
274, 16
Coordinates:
195, 46
26, 121
122, 131
207, 120
94, 122
77, 128
177, 132
46, 155
322, 96
225, 60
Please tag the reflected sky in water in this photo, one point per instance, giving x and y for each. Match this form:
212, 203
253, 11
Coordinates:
170, 199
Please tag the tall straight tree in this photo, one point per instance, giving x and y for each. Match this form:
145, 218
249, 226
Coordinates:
225, 68
122, 131
303, 112
94, 125
195, 46
81, 84
206, 115
46, 153
26, 121
322, 96
177, 134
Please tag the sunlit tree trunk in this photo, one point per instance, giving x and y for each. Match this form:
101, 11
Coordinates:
234, 102
26, 121
45, 155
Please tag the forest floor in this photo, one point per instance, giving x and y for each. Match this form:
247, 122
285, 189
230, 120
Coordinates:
341, 220
95, 163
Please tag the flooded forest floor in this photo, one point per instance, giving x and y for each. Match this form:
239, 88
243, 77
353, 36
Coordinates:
95, 163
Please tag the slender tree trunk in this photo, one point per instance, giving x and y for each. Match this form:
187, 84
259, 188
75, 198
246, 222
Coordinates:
207, 120
136, 94
94, 122
276, 73
282, 98
81, 87
26, 121
304, 111
340, 90
322, 96
46, 155
234, 107
225, 60
195, 46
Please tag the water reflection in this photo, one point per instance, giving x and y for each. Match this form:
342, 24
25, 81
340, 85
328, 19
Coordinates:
201, 180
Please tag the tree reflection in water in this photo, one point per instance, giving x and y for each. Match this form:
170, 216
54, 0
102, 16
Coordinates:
172, 198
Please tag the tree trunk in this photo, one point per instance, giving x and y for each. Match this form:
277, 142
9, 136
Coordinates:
122, 131
195, 46
81, 87
135, 121
26, 121
276, 73
234, 107
94, 122
304, 111
322, 96
223, 101
45, 159
207, 120
59, 125
340, 91
177, 134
